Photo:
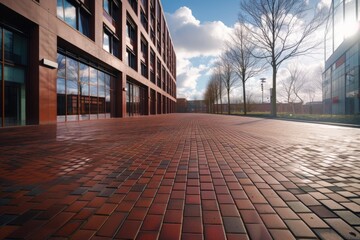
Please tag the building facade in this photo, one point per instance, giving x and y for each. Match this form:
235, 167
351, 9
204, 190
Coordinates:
74, 60
341, 81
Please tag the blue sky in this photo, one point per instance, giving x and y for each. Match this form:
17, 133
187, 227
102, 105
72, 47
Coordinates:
207, 10
199, 29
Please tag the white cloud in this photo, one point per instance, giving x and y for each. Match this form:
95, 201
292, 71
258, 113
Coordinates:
324, 4
193, 39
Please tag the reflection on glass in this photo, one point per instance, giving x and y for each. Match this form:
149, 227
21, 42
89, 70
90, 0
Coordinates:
72, 69
1, 45
84, 23
350, 25
1, 103
107, 6
338, 26
15, 101
83, 92
60, 9
60, 86
9, 47
106, 42
61, 65
70, 13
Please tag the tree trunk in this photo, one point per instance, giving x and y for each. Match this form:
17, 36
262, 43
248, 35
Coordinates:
228, 95
273, 93
244, 97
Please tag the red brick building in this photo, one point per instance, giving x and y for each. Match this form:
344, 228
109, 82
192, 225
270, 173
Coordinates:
72, 60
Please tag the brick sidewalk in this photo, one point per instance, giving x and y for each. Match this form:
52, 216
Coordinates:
180, 177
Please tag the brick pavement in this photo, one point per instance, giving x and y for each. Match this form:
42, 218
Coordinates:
180, 177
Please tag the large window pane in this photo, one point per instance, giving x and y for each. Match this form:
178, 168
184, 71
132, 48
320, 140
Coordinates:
1, 31
61, 65
60, 9
9, 45
107, 6
70, 13
338, 26
101, 84
72, 68
1, 102
60, 86
107, 95
106, 42
84, 79
84, 92
15, 99
84, 23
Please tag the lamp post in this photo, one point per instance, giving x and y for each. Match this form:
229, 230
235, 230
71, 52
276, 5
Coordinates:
262, 89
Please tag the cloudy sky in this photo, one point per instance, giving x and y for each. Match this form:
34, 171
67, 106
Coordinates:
198, 29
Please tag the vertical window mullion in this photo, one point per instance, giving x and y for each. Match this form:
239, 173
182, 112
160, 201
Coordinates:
3, 77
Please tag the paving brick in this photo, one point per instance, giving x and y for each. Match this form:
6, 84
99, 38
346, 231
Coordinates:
170, 231
344, 229
299, 229
280, 234
129, 229
211, 217
273, 221
194, 176
214, 232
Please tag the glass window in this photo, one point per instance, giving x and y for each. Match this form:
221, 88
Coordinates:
110, 43
1, 31
93, 82
112, 8
72, 68
84, 23
60, 9
83, 92
101, 84
131, 59
107, 6
75, 15
70, 13
338, 26
61, 65
60, 86
350, 25
106, 42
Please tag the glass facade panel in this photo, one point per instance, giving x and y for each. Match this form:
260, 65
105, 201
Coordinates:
135, 100
75, 15
70, 14
60, 9
338, 26
106, 6
350, 24
13, 67
84, 23
15, 111
106, 42
1, 36
82, 91
61, 65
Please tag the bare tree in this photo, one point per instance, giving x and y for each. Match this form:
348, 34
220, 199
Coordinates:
212, 93
217, 75
241, 54
227, 75
281, 29
294, 85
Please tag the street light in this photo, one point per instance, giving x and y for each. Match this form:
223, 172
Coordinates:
262, 89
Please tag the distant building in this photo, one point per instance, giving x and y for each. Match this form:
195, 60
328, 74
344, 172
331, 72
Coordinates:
74, 60
342, 57
181, 105
190, 106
